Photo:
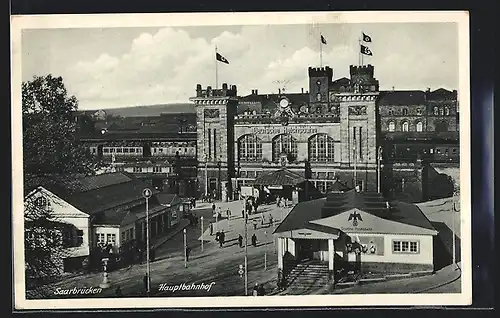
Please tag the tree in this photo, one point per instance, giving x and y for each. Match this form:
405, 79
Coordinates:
50, 148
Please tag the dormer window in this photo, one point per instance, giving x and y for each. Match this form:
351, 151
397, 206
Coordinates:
405, 111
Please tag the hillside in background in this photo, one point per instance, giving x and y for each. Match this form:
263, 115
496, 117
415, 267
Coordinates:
149, 110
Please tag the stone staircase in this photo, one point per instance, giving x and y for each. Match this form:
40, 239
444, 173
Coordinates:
306, 278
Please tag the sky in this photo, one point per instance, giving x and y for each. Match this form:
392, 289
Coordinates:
127, 66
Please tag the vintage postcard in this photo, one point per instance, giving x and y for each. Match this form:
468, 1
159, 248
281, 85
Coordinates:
241, 160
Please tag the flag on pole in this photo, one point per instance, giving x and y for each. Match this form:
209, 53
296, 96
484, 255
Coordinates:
366, 38
365, 50
323, 40
221, 58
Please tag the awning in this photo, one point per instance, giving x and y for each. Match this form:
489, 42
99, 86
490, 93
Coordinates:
281, 177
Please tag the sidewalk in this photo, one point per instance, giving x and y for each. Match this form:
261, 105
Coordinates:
183, 223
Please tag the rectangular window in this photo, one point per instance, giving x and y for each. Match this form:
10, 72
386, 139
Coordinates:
124, 236
93, 150
132, 150
209, 143
125, 150
405, 247
215, 144
105, 150
108, 238
396, 246
413, 247
157, 169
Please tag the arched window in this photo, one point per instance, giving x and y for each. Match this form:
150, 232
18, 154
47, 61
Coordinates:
420, 126
405, 111
284, 143
436, 110
320, 148
404, 126
249, 148
392, 126
446, 111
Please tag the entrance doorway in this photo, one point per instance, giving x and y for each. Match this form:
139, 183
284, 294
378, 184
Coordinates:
212, 186
308, 250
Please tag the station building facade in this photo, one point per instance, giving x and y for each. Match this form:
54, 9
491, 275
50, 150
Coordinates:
344, 129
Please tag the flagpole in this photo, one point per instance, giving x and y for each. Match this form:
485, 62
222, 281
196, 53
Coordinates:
320, 52
359, 51
216, 70
361, 57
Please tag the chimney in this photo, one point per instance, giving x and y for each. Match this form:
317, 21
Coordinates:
256, 92
428, 90
302, 90
393, 88
279, 90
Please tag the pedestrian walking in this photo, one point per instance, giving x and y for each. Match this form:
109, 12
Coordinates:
254, 222
261, 291
240, 240
188, 250
242, 214
271, 220
246, 218
217, 236
211, 229
262, 219
118, 292
256, 290
213, 208
145, 281
223, 237
254, 240
278, 201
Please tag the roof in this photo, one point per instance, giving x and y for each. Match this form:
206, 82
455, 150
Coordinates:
441, 94
166, 198
401, 98
283, 177
93, 194
336, 203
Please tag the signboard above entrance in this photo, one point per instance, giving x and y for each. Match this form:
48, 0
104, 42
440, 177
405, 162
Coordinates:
284, 130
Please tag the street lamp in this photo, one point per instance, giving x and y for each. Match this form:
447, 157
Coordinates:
265, 252
246, 256
146, 193
185, 249
379, 168
455, 210
206, 175
201, 233
219, 192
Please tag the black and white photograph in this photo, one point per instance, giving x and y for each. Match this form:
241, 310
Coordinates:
235, 160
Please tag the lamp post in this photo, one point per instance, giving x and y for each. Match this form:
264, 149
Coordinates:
185, 250
246, 257
265, 252
379, 168
219, 184
201, 233
146, 193
206, 175
455, 210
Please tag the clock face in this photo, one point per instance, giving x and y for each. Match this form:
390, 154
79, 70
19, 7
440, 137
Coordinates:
284, 103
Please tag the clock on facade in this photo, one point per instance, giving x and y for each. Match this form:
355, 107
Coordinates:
284, 103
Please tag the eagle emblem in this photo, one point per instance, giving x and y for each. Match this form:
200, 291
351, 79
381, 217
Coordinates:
355, 217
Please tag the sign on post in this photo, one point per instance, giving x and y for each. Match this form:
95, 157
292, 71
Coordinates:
146, 193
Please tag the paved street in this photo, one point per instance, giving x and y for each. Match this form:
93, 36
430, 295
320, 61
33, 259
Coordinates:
214, 264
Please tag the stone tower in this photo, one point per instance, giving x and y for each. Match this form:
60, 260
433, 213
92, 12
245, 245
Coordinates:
215, 111
319, 83
359, 128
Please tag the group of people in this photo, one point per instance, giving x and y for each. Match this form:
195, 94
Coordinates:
254, 240
220, 237
262, 221
281, 202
